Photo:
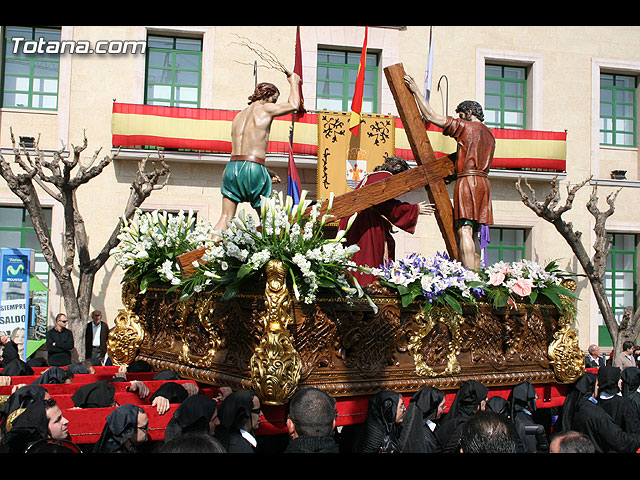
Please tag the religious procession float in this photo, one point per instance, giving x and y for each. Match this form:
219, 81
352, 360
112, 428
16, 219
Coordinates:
274, 306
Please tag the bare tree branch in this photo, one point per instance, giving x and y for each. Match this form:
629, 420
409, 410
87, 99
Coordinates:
263, 54
595, 267
62, 183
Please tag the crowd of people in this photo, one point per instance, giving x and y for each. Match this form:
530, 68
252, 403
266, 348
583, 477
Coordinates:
601, 413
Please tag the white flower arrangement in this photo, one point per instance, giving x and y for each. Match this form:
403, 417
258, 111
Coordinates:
436, 280
287, 234
150, 243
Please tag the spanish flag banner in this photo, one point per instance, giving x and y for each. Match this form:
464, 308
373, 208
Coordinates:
209, 130
515, 149
202, 129
356, 102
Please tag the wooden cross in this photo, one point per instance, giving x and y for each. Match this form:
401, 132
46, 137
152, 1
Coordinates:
430, 174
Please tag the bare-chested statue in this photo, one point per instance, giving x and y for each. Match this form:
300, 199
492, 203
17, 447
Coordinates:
245, 178
472, 192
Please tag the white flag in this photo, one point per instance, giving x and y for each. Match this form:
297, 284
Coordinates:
429, 70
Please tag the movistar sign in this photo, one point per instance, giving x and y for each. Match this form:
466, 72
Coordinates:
14, 268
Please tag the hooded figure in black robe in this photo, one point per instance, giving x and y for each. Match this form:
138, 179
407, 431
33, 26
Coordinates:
78, 368
416, 435
582, 388
53, 375
16, 368
20, 399
523, 404
611, 400
630, 383
166, 375
174, 392
380, 431
24, 426
94, 395
235, 414
498, 404
9, 353
139, 366
583, 415
120, 426
192, 416
468, 401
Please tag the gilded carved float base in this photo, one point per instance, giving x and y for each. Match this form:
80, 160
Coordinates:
267, 342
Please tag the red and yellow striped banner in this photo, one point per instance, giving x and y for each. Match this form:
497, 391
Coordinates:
210, 130
515, 149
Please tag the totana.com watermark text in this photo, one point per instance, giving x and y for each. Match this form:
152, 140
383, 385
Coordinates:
42, 46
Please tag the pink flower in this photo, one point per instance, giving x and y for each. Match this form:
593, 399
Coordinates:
496, 278
511, 303
523, 287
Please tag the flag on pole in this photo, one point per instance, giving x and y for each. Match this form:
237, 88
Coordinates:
429, 70
293, 180
297, 68
356, 103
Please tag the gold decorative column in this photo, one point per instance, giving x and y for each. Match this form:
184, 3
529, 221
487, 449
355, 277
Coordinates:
125, 339
275, 364
564, 351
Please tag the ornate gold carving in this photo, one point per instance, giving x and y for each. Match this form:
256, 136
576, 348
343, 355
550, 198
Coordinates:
449, 342
484, 338
125, 339
204, 309
564, 352
368, 343
525, 334
275, 364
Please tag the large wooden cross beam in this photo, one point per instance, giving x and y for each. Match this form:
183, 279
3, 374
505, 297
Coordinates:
423, 153
430, 174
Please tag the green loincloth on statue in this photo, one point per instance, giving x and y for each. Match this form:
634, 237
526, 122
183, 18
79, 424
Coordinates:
246, 181
465, 222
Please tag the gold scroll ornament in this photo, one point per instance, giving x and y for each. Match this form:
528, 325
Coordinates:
344, 158
426, 322
564, 351
125, 339
276, 365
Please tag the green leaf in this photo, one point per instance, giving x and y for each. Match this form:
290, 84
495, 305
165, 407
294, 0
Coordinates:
407, 299
232, 290
147, 280
243, 271
500, 298
560, 290
553, 296
533, 296
453, 303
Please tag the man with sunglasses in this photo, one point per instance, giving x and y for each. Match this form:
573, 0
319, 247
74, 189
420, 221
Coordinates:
59, 342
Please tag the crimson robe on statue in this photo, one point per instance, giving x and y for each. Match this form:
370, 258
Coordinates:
371, 230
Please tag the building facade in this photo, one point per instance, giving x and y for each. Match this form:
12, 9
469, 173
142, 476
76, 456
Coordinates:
578, 84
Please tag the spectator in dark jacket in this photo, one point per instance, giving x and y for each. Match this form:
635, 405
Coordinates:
95, 338
59, 343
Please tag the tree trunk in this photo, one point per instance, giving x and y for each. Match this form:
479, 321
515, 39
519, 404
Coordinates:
594, 267
62, 186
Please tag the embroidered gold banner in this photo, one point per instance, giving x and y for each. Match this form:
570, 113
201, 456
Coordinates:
344, 158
